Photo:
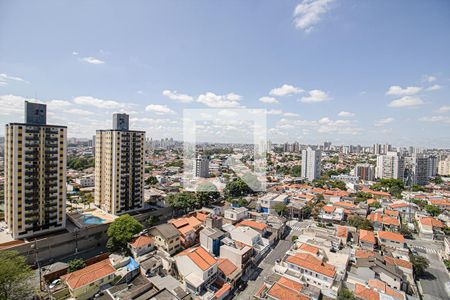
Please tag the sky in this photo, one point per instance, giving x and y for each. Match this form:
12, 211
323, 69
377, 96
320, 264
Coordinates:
350, 72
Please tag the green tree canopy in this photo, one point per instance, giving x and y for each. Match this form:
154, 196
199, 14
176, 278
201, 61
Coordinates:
375, 205
151, 180
237, 188
280, 208
183, 201
76, 264
15, 276
121, 231
345, 294
360, 223
393, 186
207, 193
432, 210
420, 264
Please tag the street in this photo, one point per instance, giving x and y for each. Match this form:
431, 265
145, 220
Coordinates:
264, 270
435, 283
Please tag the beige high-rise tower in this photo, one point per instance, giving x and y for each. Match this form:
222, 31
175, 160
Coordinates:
119, 167
35, 174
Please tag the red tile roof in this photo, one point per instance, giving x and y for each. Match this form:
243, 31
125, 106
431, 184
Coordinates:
89, 274
361, 292
202, 258
387, 235
142, 241
286, 289
309, 248
364, 253
367, 236
253, 224
309, 262
226, 266
225, 288
430, 221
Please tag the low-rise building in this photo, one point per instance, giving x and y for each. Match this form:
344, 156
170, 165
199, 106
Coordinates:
235, 214
197, 269
367, 239
390, 239
166, 238
429, 227
210, 239
141, 245
85, 283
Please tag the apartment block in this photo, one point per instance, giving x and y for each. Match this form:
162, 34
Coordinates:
311, 164
35, 174
119, 167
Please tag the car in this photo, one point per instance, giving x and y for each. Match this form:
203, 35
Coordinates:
414, 251
54, 283
243, 286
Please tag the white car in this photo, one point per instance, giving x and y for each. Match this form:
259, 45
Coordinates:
54, 283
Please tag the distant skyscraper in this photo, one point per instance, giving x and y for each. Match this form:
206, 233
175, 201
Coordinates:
365, 171
326, 145
420, 168
377, 149
35, 174
444, 167
119, 167
311, 164
390, 165
202, 166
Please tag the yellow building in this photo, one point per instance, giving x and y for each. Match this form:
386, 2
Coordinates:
119, 167
35, 174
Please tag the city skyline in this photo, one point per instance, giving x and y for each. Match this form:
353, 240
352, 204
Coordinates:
291, 59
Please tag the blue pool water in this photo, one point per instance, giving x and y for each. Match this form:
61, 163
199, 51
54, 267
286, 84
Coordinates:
90, 219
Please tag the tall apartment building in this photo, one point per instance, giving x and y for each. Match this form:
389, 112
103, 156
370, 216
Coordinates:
119, 167
444, 167
421, 169
365, 171
35, 174
202, 167
390, 165
311, 164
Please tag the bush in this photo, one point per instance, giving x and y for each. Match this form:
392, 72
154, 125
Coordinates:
294, 238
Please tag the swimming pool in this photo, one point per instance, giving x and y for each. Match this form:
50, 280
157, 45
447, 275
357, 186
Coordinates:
89, 219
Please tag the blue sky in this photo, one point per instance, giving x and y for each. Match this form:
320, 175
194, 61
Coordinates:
355, 72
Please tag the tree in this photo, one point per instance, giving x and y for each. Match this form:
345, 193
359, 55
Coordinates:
207, 193
294, 238
237, 188
420, 264
76, 264
151, 180
393, 186
122, 230
183, 201
447, 263
296, 171
360, 223
15, 276
345, 294
280, 208
151, 221
375, 205
432, 210
404, 230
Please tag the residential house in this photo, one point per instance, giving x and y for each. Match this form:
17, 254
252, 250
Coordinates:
228, 272
235, 214
239, 254
429, 227
141, 245
85, 283
258, 226
252, 238
390, 239
332, 214
267, 202
367, 239
210, 239
166, 238
197, 269
188, 228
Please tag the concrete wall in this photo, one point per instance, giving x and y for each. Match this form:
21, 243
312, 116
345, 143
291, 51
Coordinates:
56, 247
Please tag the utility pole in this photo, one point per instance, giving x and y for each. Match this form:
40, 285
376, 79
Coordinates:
36, 262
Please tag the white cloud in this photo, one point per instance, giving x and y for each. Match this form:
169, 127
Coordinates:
77, 111
174, 95
290, 114
99, 103
435, 119
75, 53
58, 104
315, 96
429, 78
159, 109
270, 100
5, 79
308, 13
434, 87
286, 89
140, 92
274, 112
92, 60
383, 122
396, 90
220, 101
444, 109
346, 114
11, 105
406, 101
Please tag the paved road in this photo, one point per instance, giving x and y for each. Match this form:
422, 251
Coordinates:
436, 282
264, 270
